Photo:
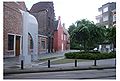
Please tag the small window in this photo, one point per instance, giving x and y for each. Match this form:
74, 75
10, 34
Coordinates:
49, 21
61, 36
64, 37
100, 12
43, 44
114, 18
98, 20
10, 42
105, 18
30, 41
105, 9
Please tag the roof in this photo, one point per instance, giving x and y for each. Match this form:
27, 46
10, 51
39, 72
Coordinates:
41, 6
106, 4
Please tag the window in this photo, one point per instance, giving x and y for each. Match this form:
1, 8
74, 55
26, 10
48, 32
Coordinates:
61, 36
98, 20
105, 18
10, 42
49, 21
64, 37
114, 17
100, 12
43, 44
30, 41
105, 9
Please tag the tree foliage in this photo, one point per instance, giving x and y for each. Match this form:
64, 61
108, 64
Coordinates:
86, 34
89, 34
111, 36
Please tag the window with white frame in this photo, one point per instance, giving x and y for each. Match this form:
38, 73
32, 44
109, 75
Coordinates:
105, 9
105, 18
100, 12
43, 44
10, 42
61, 36
64, 37
114, 17
98, 20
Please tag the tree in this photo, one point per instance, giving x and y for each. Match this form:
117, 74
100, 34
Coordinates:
111, 36
73, 42
71, 28
81, 33
87, 34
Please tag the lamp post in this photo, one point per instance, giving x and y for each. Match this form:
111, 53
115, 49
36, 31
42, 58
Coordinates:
49, 37
50, 42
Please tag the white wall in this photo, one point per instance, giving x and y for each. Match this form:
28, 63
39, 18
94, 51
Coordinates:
30, 25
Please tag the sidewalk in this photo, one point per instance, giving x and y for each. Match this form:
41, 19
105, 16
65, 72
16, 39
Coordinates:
13, 62
101, 64
12, 65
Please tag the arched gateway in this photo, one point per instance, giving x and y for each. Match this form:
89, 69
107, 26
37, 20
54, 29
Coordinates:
30, 39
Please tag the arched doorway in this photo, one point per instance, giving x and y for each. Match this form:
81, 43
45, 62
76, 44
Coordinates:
30, 44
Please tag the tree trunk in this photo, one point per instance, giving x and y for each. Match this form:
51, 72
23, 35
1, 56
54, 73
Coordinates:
113, 47
84, 45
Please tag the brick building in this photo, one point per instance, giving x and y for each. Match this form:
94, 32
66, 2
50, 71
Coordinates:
44, 13
12, 27
61, 37
15, 30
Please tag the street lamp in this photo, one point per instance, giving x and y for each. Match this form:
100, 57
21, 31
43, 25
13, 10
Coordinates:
49, 40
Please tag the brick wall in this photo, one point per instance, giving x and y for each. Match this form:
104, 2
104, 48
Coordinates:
42, 22
12, 23
44, 13
40, 39
61, 38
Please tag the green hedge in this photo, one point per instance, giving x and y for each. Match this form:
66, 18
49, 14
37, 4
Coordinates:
90, 55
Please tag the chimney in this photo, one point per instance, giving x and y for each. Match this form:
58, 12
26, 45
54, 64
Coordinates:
59, 18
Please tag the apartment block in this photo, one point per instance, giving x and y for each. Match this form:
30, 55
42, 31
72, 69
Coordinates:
105, 16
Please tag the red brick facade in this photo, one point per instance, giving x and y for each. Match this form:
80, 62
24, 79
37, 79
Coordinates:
61, 38
12, 24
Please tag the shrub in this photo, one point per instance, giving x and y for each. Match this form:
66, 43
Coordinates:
89, 55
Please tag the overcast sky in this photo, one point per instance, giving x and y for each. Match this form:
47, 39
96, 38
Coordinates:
73, 10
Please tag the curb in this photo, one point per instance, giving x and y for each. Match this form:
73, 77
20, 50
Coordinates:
55, 69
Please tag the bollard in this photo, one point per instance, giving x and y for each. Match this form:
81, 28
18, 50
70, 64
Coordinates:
75, 63
95, 62
48, 63
22, 64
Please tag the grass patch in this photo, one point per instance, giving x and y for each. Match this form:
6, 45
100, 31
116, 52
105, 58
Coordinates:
44, 59
49, 58
63, 61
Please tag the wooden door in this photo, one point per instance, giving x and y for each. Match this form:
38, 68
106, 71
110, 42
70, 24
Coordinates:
17, 47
